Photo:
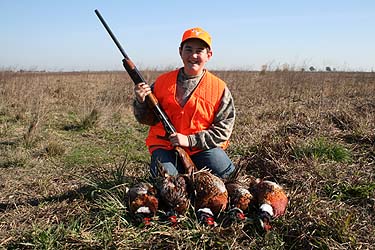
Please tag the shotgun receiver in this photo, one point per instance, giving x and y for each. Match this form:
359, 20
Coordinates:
151, 100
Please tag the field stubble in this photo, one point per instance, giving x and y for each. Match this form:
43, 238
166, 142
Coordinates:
70, 147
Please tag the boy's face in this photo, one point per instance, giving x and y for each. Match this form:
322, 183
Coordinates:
194, 54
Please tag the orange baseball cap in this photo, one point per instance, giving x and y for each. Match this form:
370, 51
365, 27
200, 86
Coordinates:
198, 33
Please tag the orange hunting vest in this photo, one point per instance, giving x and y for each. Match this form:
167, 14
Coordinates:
197, 114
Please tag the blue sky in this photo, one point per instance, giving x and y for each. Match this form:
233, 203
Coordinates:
67, 35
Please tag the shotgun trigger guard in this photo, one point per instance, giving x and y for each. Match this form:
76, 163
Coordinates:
165, 137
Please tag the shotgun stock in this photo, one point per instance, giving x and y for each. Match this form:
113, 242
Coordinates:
151, 100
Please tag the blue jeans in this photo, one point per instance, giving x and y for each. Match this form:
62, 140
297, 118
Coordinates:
215, 159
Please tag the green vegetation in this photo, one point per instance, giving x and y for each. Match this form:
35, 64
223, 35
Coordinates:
351, 192
322, 149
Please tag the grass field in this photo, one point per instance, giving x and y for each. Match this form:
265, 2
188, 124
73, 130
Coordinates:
70, 146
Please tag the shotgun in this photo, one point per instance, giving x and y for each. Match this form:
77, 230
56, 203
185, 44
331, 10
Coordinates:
151, 100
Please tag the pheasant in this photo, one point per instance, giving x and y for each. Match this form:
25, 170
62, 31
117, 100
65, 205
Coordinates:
143, 203
271, 200
210, 195
239, 194
173, 193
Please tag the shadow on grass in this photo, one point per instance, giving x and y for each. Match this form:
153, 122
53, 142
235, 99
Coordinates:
85, 192
70, 195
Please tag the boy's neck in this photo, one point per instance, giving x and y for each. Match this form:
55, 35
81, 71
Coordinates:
187, 76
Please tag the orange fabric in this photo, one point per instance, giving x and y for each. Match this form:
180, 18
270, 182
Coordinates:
197, 114
198, 33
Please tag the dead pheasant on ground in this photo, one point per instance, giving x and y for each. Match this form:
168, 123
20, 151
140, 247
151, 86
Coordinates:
270, 199
143, 203
173, 193
210, 195
238, 185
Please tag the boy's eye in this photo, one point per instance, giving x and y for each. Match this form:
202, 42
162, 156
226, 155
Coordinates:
196, 51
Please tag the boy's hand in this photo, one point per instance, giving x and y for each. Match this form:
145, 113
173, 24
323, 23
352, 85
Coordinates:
141, 90
178, 139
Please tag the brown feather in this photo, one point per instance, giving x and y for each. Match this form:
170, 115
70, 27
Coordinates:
210, 191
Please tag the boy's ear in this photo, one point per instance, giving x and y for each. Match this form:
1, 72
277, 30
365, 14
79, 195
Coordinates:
209, 53
180, 50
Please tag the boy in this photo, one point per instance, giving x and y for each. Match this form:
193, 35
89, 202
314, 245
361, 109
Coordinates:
198, 104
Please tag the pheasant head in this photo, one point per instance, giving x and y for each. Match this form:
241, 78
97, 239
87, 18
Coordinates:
143, 203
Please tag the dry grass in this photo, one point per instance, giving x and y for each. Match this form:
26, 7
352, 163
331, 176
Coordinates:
70, 146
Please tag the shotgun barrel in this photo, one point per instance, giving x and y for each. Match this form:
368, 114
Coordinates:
152, 101
136, 76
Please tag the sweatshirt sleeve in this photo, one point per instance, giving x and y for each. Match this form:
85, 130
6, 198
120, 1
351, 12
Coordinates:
144, 114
